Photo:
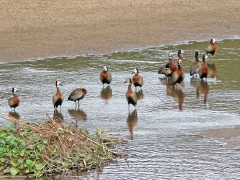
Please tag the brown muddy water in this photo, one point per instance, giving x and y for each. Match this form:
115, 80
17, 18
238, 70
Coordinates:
163, 132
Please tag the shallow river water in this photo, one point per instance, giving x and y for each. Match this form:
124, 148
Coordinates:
163, 131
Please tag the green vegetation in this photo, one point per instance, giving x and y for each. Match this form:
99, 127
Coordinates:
53, 148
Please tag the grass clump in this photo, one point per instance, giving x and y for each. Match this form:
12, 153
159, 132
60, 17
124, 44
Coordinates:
53, 147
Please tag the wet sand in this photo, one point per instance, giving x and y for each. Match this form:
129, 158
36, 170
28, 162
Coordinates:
48, 28
229, 136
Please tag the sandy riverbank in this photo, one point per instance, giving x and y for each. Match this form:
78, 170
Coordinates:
33, 29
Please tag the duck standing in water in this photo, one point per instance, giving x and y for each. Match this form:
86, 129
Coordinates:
195, 66
162, 70
136, 79
130, 95
170, 67
178, 75
211, 48
58, 97
180, 52
203, 73
77, 95
105, 76
14, 101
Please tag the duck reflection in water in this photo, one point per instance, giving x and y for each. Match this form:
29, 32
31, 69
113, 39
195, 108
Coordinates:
106, 93
212, 70
77, 115
14, 114
167, 81
139, 94
58, 115
178, 94
195, 83
202, 87
14, 117
132, 122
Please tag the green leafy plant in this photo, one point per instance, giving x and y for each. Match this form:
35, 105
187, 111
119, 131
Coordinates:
51, 148
19, 152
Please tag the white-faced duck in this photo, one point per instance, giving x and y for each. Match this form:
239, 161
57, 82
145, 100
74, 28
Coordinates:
77, 95
203, 73
162, 70
178, 75
195, 66
212, 47
58, 97
130, 95
136, 79
173, 65
14, 101
180, 52
105, 76
170, 69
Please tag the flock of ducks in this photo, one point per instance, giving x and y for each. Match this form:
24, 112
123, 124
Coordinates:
172, 70
174, 73
57, 100
76, 95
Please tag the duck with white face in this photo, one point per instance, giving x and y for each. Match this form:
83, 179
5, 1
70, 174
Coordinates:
195, 66
137, 80
58, 97
77, 95
14, 101
212, 47
105, 76
178, 75
130, 95
180, 53
203, 73
162, 70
